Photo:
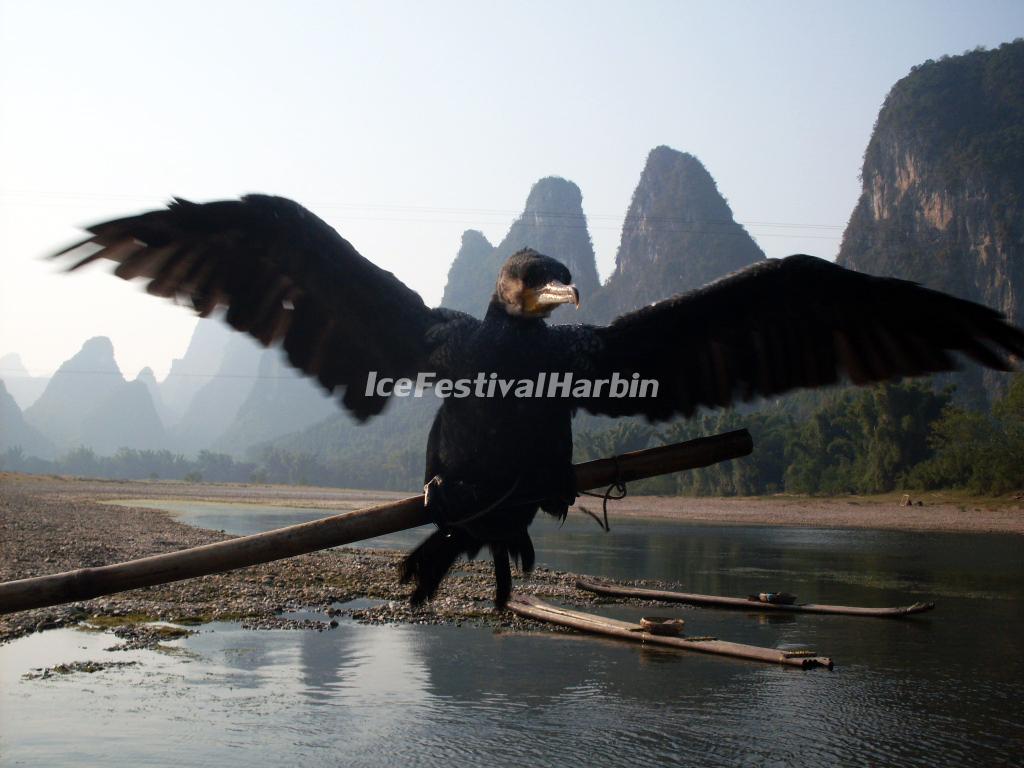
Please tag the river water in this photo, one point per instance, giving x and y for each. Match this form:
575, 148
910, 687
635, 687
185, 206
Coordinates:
937, 690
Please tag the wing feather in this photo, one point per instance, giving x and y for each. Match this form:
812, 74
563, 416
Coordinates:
285, 276
790, 323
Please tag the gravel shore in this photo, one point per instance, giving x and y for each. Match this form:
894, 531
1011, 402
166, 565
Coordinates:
52, 524
49, 525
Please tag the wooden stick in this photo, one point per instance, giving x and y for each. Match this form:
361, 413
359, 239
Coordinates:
334, 531
533, 608
717, 601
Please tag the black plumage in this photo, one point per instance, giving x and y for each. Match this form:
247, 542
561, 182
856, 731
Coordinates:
288, 278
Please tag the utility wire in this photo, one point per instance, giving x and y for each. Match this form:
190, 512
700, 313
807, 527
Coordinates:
21, 374
570, 219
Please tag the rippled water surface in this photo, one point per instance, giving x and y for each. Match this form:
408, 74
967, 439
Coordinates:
943, 689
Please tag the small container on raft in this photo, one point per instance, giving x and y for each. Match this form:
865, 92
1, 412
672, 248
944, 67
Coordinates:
662, 625
775, 598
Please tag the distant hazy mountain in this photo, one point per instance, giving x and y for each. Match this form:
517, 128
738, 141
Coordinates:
943, 186
81, 384
23, 387
472, 275
147, 378
553, 223
679, 234
392, 445
88, 402
15, 432
127, 419
214, 406
281, 401
191, 372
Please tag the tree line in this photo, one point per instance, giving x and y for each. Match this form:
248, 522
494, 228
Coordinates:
904, 436
272, 465
849, 441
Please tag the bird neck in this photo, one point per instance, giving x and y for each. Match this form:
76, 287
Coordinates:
496, 313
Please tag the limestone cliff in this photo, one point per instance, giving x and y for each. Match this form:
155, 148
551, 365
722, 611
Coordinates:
80, 385
215, 404
471, 276
127, 419
553, 223
192, 371
16, 433
88, 402
148, 378
23, 387
679, 234
942, 201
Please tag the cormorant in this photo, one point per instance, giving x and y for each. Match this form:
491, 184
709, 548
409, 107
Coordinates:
285, 276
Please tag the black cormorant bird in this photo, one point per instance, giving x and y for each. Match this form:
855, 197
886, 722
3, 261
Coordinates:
287, 277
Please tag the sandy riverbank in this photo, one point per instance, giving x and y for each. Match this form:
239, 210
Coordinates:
937, 512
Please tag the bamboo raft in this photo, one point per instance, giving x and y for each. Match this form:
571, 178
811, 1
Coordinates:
333, 531
747, 604
532, 608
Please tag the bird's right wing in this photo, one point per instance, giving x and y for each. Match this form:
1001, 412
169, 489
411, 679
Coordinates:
285, 276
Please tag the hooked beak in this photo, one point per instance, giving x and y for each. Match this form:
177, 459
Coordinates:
546, 298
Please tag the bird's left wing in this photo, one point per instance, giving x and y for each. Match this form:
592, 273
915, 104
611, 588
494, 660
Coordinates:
285, 276
784, 324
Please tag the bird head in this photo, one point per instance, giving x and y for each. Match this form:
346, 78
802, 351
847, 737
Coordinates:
531, 285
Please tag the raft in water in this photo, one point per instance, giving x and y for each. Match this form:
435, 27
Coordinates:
532, 608
717, 601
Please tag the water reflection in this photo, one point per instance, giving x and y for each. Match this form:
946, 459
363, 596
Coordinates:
942, 689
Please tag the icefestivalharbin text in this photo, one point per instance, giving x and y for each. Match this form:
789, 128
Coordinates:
554, 385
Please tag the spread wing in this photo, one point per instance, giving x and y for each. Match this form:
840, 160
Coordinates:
285, 277
788, 323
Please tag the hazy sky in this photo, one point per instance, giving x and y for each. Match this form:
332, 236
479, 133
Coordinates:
403, 124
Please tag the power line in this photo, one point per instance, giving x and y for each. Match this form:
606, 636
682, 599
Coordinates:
22, 374
21, 197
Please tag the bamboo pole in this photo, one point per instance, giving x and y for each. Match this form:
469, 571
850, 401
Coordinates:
532, 608
348, 527
745, 604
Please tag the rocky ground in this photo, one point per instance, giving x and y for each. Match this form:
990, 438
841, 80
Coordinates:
49, 525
